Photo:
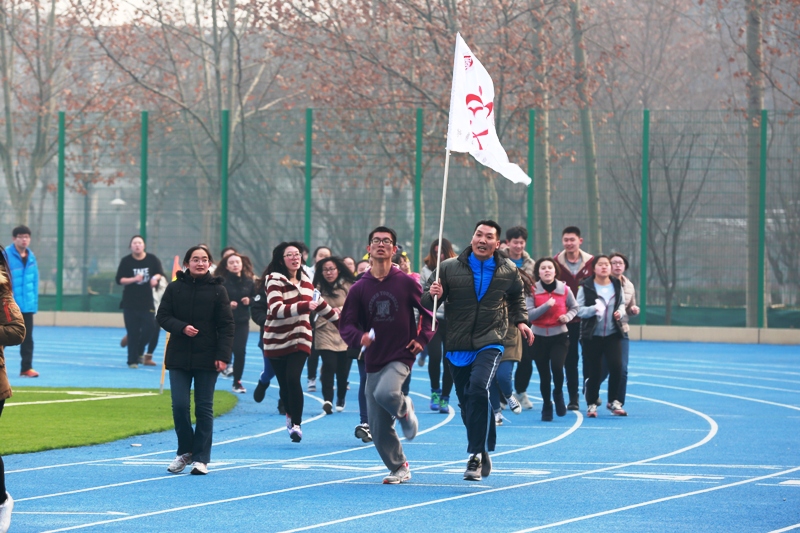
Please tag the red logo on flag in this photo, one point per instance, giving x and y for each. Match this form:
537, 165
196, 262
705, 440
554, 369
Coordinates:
467, 62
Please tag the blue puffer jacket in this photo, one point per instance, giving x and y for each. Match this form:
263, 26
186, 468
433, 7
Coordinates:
25, 279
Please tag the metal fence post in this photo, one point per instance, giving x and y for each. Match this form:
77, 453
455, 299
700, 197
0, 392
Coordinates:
309, 160
645, 215
532, 174
143, 179
60, 242
762, 222
223, 168
418, 193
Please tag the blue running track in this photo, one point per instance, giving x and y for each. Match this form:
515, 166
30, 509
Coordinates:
711, 443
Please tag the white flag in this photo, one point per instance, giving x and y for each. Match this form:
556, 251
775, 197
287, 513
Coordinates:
471, 126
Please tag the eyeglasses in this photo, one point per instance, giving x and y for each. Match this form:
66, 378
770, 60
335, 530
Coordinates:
387, 241
330, 270
296, 254
199, 260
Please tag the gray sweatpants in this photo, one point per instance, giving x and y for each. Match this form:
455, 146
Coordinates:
385, 400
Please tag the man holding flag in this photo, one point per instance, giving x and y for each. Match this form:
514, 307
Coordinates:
483, 293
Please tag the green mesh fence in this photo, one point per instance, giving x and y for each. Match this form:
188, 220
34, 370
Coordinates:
363, 174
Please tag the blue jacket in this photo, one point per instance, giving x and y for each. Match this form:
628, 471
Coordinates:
25, 279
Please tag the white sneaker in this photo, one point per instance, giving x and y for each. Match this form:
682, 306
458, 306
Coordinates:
179, 463
616, 409
199, 469
514, 405
5, 512
312, 385
523, 400
401, 475
498, 418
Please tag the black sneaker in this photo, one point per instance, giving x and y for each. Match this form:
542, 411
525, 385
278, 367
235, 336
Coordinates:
547, 412
486, 464
473, 471
362, 432
340, 405
573, 404
261, 390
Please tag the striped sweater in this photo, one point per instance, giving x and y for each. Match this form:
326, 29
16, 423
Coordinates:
288, 326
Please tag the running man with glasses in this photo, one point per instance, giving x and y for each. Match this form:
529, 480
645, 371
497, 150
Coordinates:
383, 301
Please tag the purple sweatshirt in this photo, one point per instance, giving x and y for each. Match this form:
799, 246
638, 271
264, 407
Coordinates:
387, 306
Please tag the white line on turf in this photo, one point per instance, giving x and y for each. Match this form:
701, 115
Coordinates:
571, 430
657, 500
92, 399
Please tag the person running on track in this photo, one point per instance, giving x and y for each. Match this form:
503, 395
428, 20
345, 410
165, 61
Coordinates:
483, 294
383, 301
551, 307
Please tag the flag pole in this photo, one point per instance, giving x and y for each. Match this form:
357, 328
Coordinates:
441, 228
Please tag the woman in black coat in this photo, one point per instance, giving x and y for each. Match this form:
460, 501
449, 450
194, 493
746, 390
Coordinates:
196, 311
239, 283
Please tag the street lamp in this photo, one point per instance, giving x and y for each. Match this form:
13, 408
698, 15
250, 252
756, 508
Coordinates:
118, 204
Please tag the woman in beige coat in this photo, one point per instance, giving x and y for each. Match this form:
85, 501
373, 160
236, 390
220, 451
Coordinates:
12, 332
332, 279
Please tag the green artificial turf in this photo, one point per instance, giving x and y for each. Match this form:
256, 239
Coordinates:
30, 427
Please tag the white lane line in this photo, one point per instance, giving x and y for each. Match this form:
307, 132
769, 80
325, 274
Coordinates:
258, 464
92, 399
746, 385
787, 528
734, 396
714, 428
692, 363
107, 513
663, 367
571, 430
658, 500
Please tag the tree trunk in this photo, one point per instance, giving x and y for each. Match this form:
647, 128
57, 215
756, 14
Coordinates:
755, 102
543, 225
587, 129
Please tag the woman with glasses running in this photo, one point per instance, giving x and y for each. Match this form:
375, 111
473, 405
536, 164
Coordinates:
333, 280
287, 330
196, 312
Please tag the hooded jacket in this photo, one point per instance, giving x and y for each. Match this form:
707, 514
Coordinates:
12, 329
204, 304
472, 324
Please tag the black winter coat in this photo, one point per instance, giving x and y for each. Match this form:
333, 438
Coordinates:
590, 298
472, 325
204, 304
238, 288
259, 312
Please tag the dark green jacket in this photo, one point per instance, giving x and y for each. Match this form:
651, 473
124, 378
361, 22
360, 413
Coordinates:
472, 325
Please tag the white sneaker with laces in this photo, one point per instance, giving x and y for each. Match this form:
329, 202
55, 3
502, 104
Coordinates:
312, 385
514, 405
498, 419
5, 513
179, 463
199, 469
617, 410
409, 423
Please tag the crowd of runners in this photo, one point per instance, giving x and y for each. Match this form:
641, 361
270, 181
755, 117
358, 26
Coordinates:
480, 323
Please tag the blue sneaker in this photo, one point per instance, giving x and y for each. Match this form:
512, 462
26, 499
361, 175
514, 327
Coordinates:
444, 405
436, 396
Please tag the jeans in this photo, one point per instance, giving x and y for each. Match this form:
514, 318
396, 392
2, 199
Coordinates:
240, 335
385, 402
472, 388
549, 353
268, 373
501, 386
335, 364
622, 388
594, 351
26, 348
139, 325
196, 441
288, 369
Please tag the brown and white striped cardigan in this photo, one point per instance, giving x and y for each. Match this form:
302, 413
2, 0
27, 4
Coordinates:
288, 326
